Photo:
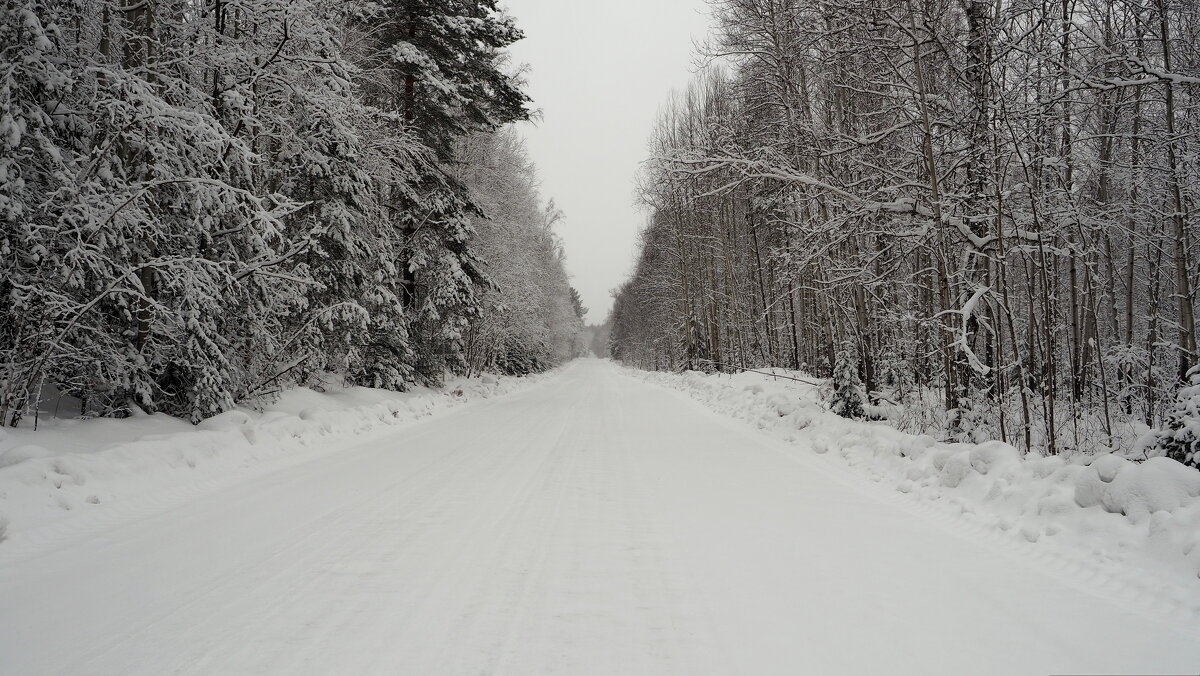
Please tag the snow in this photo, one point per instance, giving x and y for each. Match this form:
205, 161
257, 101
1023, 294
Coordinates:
68, 465
600, 522
1096, 509
1137, 491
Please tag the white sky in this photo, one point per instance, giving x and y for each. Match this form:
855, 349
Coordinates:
600, 71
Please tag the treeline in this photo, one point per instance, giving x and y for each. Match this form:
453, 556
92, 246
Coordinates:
994, 203
207, 201
531, 318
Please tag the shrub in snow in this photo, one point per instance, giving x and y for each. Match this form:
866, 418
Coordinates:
970, 421
1181, 438
847, 399
895, 374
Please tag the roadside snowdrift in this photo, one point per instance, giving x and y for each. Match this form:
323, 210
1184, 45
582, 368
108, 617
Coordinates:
72, 466
1134, 523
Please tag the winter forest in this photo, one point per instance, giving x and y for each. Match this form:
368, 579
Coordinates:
978, 218
559, 338
206, 202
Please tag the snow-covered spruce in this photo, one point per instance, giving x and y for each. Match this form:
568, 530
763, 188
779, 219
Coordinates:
1180, 438
198, 209
846, 392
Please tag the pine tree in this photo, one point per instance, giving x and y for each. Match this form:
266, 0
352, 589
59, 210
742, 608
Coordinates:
438, 66
447, 56
847, 398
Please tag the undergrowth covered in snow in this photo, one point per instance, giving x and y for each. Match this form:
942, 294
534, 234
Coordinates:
1128, 517
75, 465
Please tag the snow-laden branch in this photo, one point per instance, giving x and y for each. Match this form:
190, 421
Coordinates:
961, 339
752, 169
760, 169
908, 205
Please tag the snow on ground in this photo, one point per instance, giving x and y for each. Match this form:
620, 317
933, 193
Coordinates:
71, 466
1133, 525
593, 524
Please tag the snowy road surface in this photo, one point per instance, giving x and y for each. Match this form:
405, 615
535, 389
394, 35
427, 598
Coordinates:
592, 524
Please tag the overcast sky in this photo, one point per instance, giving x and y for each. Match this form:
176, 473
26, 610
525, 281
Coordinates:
600, 70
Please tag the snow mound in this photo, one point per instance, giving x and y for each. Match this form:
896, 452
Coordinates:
994, 457
1136, 490
16, 454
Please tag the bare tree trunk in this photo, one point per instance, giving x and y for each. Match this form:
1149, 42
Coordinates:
1183, 291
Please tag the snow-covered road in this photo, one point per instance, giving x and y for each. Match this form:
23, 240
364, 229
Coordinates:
591, 524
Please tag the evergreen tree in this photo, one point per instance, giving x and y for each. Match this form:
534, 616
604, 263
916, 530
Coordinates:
31, 163
1180, 439
448, 59
203, 203
847, 398
146, 221
438, 66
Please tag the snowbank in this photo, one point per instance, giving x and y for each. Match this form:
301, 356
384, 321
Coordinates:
72, 466
1133, 521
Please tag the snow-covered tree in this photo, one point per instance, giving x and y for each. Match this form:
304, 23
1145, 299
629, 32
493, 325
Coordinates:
440, 69
448, 60
1180, 437
529, 315
36, 158
206, 202
1004, 195
846, 389
149, 221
